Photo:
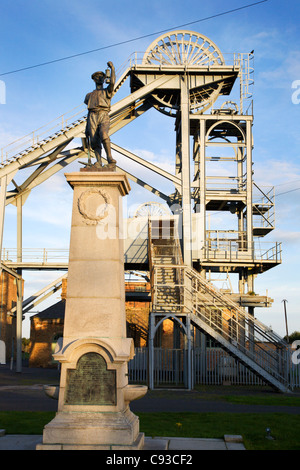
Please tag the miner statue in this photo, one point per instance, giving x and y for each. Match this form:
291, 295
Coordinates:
98, 103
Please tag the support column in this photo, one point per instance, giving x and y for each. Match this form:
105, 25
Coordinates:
19, 281
189, 354
250, 246
240, 212
251, 312
2, 215
185, 173
2, 211
202, 184
241, 335
151, 350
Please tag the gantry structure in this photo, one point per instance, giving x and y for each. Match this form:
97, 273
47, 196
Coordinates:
207, 94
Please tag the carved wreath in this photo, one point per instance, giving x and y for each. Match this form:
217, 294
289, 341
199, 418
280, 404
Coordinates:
93, 218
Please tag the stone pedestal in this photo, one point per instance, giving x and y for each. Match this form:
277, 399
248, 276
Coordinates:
94, 394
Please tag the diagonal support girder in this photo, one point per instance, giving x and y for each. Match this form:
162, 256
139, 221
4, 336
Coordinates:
41, 295
41, 176
160, 171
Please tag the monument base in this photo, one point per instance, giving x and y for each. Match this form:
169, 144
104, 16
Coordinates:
93, 430
137, 445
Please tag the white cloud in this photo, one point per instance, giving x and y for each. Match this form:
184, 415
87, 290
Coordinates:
57, 214
7, 138
276, 172
290, 237
164, 161
283, 73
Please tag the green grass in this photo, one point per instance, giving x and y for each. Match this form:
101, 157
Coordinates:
279, 400
285, 428
25, 422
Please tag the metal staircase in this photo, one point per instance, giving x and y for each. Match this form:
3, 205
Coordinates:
183, 291
164, 256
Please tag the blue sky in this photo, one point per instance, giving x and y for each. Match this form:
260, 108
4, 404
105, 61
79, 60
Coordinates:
35, 32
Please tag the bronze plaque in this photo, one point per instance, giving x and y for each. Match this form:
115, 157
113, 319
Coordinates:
91, 383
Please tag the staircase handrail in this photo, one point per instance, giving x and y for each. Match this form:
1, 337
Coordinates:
238, 331
258, 352
225, 299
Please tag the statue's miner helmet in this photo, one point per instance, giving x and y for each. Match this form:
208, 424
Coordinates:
97, 75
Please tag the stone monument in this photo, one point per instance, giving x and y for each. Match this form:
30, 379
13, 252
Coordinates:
94, 394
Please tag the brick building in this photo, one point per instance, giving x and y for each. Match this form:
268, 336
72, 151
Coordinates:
47, 326
8, 300
45, 329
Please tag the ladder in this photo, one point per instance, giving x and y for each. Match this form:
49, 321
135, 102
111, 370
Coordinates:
182, 290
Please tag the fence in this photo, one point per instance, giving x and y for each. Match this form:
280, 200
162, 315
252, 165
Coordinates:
212, 366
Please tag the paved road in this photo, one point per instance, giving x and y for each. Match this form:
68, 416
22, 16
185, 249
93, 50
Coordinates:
24, 392
186, 404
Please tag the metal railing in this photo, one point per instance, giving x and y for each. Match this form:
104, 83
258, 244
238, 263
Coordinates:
226, 183
263, 207
216, 248
234, 59
211, 366
224, 318
43, 134
224, 248
42, 256
184, 291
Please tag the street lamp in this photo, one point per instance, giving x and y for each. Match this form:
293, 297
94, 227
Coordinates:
285, 315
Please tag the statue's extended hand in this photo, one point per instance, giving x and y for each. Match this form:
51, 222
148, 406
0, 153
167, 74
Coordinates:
110, 64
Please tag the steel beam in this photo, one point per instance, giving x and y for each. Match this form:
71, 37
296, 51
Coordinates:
41, 295
23, 161
2, 211
142, 183
147, 164
141, 93
19, 317
67, 158
185, 172
202, 185
9, 270
249, 185
128, 115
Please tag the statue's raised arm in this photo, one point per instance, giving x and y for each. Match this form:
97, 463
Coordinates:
112, 82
